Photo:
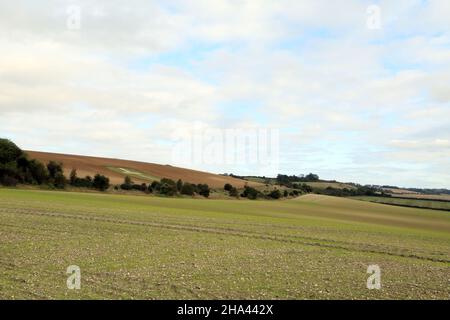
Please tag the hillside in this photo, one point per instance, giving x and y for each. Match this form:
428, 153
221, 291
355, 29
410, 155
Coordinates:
140, 172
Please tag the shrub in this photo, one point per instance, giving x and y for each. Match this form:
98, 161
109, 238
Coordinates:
168, 189
127, 184
275, 194
8, 181
228, 187
54, 168
250, 193
83, 182
168, 181
233, 192
203, 190
100, 182
179, 185
188, 189
73, 176
155, 186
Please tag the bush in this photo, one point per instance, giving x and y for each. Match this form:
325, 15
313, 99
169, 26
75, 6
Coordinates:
275, 194
155, 186
100, 182
168, 181
83, 182
59, 181
8, 181
179, 185
188, 189
127, 184
233, 192
73, 176
168, 189
54, 168
228, 187
139, 187
250, 193
203, 190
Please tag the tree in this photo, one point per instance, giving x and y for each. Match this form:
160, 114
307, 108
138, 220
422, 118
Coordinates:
179, 185
128, 180
73, 177
155, 186
227, 187
9, 155
168, 189
233, 192
59, 181
127, 184
286, 193
54, 168
9, 151
55, 171
250, 193
203, 190
311, 177
187, 189
100, 182
38, 171
168, 181
275, 194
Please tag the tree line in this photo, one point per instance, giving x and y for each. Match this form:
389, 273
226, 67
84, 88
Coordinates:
167, 187
17, 168
253, 193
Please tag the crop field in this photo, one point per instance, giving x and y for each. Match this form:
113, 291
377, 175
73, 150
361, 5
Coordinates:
412, 202
147, 247
141, 172
324, 185
442, 197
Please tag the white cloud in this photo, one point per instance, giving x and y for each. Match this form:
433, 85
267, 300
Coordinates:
137, 70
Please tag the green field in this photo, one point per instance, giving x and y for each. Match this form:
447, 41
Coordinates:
324, 185
420, 203
133, 173
145, 247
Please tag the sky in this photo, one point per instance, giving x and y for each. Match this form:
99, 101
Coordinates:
351, 90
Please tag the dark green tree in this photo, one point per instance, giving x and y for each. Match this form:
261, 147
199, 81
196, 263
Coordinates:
100, 182
73, 177
233, 192
188, 189
179, 185
203, 190
275, 194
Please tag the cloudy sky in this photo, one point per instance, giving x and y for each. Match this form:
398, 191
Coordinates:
359, 90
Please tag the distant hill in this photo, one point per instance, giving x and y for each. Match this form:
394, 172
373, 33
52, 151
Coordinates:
140, 172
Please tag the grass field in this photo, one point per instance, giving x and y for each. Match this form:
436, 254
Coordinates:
313, 247
324, 185
421, 203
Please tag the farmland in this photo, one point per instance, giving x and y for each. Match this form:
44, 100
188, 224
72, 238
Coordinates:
409, 202
145, 247
141, 172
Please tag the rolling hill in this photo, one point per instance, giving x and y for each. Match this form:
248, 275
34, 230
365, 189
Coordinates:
140, 172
